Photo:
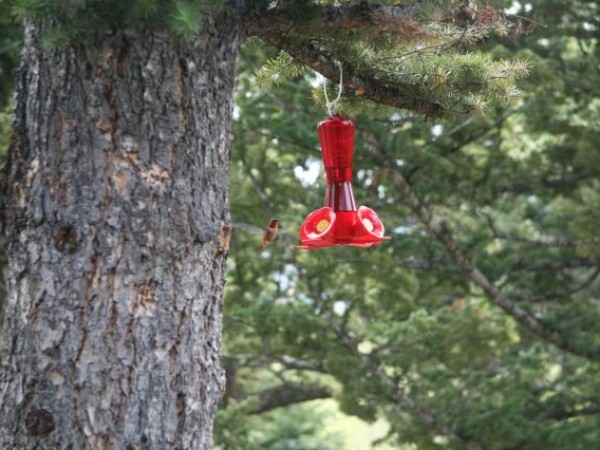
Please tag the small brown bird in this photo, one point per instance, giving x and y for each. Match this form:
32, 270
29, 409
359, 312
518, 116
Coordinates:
467, 12
270, 234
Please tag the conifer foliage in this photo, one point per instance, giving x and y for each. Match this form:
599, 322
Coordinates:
418, 55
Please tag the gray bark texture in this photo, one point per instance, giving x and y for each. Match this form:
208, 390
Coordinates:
117, 229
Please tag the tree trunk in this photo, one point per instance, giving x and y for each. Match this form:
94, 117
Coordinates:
116, 224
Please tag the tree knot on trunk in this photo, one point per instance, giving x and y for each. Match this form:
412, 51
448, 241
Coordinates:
39, 422
65, 239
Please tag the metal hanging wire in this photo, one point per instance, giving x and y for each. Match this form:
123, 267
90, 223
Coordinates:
332, 105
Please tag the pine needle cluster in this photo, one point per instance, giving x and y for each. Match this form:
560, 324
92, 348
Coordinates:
75, 20
418, 56
428, 56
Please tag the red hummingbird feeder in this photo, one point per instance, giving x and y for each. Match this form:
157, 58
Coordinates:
339, 222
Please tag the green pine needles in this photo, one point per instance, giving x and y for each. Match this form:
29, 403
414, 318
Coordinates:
277, 69
420, 53
416, 56
74, 20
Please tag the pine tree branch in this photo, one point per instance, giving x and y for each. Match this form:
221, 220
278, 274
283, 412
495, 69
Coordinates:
296, 37
369, 87
521, 315
312, 19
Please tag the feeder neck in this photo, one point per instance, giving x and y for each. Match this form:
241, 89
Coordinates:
339, 196
336, 135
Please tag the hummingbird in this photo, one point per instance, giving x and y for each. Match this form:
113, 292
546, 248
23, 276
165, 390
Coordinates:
270, 234
467, 12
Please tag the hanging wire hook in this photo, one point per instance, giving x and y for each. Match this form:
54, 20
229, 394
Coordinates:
332, 105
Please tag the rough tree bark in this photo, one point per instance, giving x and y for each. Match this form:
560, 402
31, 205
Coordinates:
117, 227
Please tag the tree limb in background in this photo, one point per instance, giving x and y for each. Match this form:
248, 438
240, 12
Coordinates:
591, 410
521, 315
286, 395
402, 400
298, 364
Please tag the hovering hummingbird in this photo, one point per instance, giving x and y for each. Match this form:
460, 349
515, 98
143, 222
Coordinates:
270, 234
467, 11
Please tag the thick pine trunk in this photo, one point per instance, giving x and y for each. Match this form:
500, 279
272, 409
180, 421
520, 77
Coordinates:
116, 228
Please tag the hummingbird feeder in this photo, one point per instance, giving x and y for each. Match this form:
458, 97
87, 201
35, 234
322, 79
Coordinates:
339, 222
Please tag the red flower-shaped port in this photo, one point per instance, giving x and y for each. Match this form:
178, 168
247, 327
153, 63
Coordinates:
339, 222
